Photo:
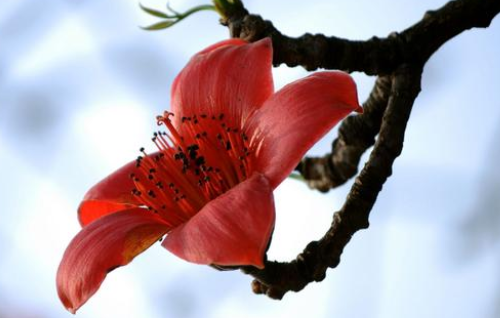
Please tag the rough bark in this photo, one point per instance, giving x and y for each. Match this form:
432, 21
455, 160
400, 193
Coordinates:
398, 61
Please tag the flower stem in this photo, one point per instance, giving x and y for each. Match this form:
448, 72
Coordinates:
296, 176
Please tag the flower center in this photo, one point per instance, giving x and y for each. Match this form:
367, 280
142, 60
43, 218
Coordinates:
197, 161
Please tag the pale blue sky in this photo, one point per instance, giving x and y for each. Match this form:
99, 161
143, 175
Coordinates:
81, 84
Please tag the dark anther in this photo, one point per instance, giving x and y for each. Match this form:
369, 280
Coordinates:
141, 149
200, 161
183, 119
223, 125
213, 117
155, 134
198, 136
180, 156
204, 134
131, 176
152, 170
150, 177
176, 191
159, 185
221, 116
203, 116
219, 136
228, 145
207, 178
164, 206
235, 130
192, 151
151, 194
171, 185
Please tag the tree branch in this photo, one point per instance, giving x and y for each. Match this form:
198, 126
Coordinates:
398, 60
376, 56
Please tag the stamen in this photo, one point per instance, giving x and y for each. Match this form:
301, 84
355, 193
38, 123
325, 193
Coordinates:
198, 160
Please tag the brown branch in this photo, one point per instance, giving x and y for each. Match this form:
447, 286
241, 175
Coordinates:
376, 56
398, 60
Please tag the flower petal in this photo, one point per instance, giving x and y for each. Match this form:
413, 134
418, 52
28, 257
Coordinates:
234, 229
295, 118
109, 242
110, 195
231, 77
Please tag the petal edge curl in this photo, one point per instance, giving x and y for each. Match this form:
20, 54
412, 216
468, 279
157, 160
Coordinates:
233, 229
295, 118
105, 244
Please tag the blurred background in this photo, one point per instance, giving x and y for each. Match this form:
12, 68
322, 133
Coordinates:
81, 84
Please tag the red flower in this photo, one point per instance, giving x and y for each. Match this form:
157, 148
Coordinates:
209, 187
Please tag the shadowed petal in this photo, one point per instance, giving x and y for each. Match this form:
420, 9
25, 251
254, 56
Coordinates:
110, 195
109, 242
233, 229
295, 118
230, 77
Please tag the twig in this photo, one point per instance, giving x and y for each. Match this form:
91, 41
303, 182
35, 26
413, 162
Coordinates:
398, 60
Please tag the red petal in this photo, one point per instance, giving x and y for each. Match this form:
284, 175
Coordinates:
100, 247
111, 195
233, 229
228, 42
295, 118
230, 77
